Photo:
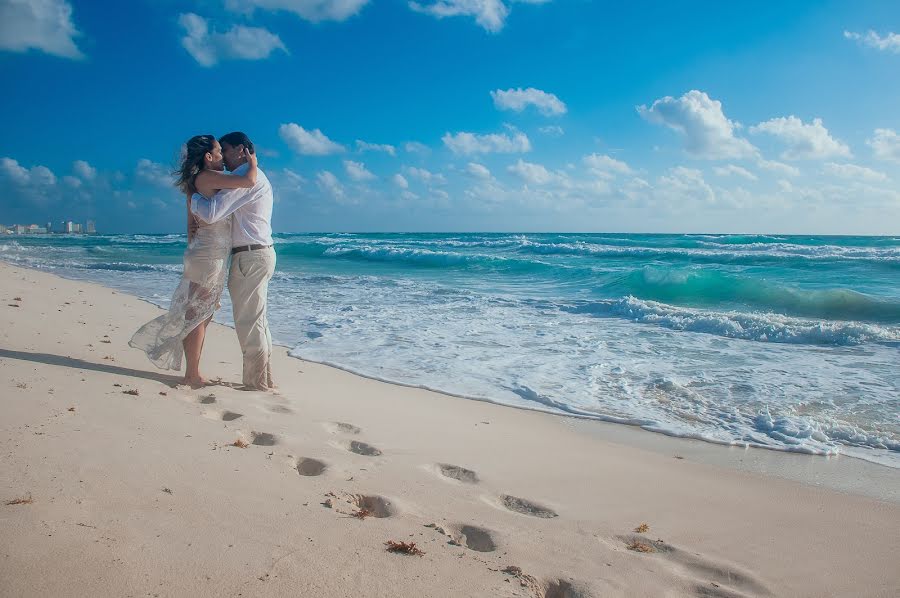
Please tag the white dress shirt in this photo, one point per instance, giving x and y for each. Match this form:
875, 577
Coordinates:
252, 209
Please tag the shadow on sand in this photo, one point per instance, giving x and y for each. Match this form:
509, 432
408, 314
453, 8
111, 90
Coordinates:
80, 364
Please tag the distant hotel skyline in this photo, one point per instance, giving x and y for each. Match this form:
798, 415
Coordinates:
66, 227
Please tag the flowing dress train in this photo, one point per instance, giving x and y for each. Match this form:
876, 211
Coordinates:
195, 299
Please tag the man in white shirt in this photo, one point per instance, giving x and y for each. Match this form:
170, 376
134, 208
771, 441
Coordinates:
252, 258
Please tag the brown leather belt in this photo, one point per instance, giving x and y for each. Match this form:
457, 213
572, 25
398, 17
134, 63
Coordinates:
248, 248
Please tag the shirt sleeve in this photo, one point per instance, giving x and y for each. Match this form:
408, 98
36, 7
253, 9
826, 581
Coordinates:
222, 204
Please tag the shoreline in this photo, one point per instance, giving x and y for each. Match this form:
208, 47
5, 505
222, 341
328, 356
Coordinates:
131, 484
827, 470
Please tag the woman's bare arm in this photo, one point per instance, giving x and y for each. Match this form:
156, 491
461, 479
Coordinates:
219, 180
191, 221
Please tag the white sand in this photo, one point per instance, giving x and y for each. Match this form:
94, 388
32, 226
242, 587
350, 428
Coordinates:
142, 495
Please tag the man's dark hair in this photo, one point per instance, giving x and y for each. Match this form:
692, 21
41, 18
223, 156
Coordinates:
237, 138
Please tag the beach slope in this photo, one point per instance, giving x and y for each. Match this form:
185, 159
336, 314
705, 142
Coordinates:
114, 481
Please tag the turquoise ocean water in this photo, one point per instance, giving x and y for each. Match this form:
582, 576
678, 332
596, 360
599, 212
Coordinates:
790, 343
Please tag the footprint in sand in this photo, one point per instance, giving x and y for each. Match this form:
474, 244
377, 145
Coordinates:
554, 588
307, 466
526, 507
474, 538
341, 428
710, 575
377, 506
263, 439
560, 588
280, 409
456, 472
361, 448
208, 399
225, 416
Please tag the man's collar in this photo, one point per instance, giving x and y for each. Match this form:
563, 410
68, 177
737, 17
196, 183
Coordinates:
241, 169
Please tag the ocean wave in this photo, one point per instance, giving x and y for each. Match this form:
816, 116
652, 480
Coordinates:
706, 287
126, 267
762, 327
889, 256
431, 258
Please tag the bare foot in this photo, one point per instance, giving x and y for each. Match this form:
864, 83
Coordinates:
195, 381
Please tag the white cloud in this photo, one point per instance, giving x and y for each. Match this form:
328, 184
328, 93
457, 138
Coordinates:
310, 10
854, 172
400, 180
357, 171
330, 184
308, 143
885, 144
470, 143
18, 174
44, 25
804, 141
153, 172
13, 171
414, 147
552, 130
478, 171
293, 179
535, 174
707, 132
888, 43
363, 146
84, 170
490, 14
519, 99
684, 185
779, 167
240, 42
426, 176
71, 181
732, 169
605, 166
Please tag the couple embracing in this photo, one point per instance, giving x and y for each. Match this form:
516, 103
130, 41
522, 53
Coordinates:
229, 216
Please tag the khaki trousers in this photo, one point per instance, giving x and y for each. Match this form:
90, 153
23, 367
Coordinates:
248, 285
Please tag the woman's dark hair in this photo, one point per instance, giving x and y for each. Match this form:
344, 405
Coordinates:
192, 163
237, 138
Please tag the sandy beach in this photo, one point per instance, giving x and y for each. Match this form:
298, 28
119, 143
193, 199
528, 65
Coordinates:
117, 482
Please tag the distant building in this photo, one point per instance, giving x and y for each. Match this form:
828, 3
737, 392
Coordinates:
34, 229
70, 226
19, 228
91, 228
49, 227
76, 228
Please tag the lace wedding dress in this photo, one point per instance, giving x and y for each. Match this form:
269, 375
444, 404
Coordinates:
195, 299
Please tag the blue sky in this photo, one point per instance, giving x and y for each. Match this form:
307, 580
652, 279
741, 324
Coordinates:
462, 115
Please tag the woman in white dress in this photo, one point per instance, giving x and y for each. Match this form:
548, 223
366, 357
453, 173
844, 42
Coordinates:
182, 330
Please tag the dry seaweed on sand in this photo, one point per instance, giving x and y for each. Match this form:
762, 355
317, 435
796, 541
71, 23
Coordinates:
403, 547
25, 500
642, 528
240, 443
362, 514
131, 392
638, 546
